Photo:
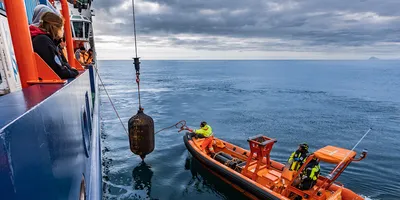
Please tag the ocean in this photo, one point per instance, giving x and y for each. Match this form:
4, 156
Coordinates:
318, 102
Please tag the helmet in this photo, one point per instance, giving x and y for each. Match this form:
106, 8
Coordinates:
304, 146
203, 124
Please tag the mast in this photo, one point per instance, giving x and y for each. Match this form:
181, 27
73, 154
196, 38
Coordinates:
68, 33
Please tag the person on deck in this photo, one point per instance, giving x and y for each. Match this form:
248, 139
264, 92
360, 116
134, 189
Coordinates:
298, 157
310, 175
80, 54
88, 57
45, 39
205, 131
39, 11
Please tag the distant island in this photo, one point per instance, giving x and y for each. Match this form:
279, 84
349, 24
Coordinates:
373, 58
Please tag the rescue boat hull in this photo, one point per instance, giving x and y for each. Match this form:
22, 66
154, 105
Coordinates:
232, 178
254, 177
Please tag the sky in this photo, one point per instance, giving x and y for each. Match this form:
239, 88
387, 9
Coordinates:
248, 29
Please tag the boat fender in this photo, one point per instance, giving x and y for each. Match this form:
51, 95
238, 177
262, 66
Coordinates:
222, 159
226, 160
229, 157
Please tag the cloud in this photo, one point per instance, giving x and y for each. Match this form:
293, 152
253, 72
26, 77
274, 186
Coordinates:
357, 27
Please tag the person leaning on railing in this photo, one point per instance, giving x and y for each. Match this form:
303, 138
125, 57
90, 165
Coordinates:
45, 39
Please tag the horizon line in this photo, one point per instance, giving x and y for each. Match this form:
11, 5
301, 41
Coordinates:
185, 59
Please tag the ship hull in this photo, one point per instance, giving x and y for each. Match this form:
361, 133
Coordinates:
50, 141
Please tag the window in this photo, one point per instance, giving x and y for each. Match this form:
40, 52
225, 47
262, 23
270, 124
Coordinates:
87, 30
78, 28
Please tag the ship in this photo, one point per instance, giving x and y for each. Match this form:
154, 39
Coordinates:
49, 127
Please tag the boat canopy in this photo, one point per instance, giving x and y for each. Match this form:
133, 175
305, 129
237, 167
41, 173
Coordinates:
334, 155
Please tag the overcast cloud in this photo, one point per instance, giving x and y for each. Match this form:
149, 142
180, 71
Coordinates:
249, 29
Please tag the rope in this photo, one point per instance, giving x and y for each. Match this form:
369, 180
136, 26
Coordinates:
109, 98
182, 123
134, 25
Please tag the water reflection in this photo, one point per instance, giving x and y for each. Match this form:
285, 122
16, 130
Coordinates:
203, 181
142, 175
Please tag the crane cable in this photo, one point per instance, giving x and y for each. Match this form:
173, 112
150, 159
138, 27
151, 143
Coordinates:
137, 68
136, 59
182, 122
134, 25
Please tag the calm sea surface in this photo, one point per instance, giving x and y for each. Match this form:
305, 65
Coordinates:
318, 102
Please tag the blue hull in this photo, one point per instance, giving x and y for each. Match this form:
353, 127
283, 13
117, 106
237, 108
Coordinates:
50, 141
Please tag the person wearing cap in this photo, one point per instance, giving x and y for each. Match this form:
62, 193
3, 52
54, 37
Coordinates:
205, 131
298, 157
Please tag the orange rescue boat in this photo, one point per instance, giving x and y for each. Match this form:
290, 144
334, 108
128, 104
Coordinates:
258, 177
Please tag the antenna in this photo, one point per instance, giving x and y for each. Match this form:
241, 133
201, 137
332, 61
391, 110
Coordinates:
341, 162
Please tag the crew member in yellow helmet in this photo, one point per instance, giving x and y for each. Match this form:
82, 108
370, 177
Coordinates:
298, 157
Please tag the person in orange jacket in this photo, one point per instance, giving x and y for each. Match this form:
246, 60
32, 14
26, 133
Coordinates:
88, 57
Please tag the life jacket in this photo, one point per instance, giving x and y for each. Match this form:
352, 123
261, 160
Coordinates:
81, 55
312, 170
297, 159
88, 58
206, 131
